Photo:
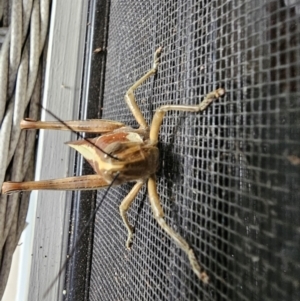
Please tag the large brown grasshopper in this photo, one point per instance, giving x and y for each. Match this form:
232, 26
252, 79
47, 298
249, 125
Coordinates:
121, 154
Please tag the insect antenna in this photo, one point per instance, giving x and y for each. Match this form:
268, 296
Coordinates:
73, 249
79, 134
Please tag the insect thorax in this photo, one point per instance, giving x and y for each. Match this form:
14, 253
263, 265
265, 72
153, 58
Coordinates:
125, 152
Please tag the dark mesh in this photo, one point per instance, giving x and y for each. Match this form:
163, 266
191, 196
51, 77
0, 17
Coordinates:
230, 177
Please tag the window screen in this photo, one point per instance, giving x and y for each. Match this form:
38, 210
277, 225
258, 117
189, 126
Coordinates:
229, 178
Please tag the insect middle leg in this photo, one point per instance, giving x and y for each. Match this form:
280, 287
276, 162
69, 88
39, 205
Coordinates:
161, 111
130, 98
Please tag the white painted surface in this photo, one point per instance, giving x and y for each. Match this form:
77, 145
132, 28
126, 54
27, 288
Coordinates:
44, 243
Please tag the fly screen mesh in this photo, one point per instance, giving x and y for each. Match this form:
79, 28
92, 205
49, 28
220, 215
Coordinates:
229, 177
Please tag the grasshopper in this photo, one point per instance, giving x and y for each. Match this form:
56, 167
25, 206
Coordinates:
121, 154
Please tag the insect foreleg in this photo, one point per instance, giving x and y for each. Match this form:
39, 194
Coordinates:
124, 208
161, 111
180, 241
130, 98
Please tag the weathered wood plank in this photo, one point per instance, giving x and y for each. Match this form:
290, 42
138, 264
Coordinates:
62, 92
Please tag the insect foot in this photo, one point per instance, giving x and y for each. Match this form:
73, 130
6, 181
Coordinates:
129, 240
157, 58
210, 97
201, 274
